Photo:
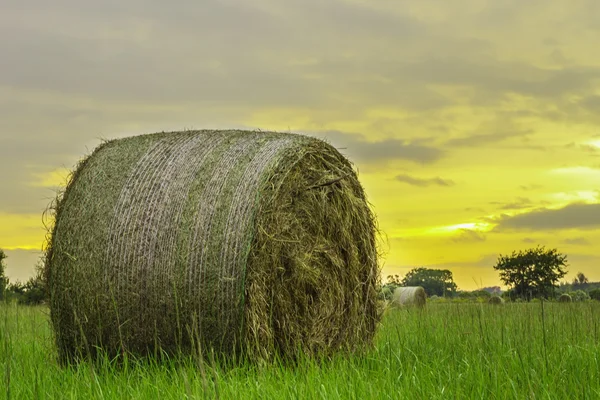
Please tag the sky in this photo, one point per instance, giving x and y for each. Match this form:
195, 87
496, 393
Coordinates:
474, 125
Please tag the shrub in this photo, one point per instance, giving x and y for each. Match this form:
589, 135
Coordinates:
595, 294
579, 295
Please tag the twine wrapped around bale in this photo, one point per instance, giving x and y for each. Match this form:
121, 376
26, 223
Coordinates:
409, 296
250, 243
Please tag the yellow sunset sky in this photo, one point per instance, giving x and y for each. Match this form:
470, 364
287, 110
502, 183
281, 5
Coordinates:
475, 125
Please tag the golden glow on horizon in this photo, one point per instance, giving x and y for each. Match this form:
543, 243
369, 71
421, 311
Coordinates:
565, 198
583, 171
21, 231
477, 226
594, 143
53, 179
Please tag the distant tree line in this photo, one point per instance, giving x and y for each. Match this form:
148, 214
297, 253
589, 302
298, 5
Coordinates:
529, 275
3, 278
436, 282
32, 292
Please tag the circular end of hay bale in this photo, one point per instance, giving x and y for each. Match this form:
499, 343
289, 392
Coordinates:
565, 298
409, 296
249, 243
496, 300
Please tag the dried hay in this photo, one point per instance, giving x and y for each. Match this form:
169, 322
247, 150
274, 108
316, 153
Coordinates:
565, 298
259, 244
409, 296
496, 300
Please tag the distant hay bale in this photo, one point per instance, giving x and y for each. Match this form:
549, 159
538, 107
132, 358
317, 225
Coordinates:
252, 243
565, 298
496, 300
409, 296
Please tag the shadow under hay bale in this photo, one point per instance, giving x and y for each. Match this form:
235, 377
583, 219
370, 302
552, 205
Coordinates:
258, 244
409, 296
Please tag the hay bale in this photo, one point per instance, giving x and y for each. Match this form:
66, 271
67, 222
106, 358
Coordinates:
250, 243
409, 296
565, 298
496, 300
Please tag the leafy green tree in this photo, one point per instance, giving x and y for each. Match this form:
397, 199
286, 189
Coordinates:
581, 281
35, 287
595, 294
3, 278
532, 273
438, 282
394, 279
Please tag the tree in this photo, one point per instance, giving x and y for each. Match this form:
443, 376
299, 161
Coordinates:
3, 278
580, 281
35, 287
31, 292
438, 282
533, 272
394, 279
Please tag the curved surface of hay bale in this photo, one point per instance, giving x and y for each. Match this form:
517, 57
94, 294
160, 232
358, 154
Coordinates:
565, 298
409, 296
253, 242
496, 300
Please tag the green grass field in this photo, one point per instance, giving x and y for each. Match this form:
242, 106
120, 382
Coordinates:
447, 351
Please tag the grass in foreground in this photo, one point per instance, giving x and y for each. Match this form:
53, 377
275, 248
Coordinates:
445, 351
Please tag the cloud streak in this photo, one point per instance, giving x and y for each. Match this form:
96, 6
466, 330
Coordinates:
579, 241
573, 216
380, 151
423, 182
468, 236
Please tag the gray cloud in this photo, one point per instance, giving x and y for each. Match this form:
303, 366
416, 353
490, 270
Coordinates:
586, 148
579, 241
73, 72
359, 148
532, 186
482, 139
520, 203
423, 182
217, 52
499, 78
476, 209
573, 216
529, 240
590, 103
484, 261
468, 236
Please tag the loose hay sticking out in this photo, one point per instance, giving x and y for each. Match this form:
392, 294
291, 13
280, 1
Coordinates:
496, 300
256, 243
410, 296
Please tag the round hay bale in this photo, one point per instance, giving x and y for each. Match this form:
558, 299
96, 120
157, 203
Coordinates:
409, 296
249, 243
496, 300
565, 298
